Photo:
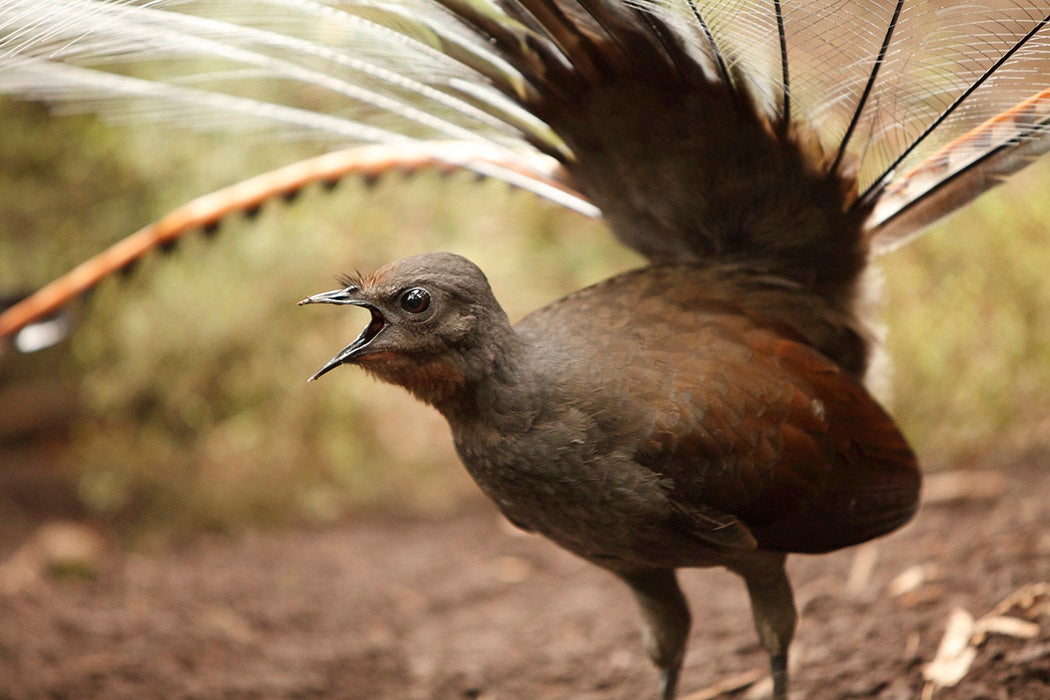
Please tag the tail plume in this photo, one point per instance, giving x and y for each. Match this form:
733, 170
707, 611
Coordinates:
793, 136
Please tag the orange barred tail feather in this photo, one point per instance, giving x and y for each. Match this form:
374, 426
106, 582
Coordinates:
960, 171
528, 171
792, 137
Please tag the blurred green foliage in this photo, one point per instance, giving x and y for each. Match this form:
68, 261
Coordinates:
196, 412
968, 307
200, 363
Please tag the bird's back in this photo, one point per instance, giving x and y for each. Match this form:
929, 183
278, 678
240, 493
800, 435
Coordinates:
715, 383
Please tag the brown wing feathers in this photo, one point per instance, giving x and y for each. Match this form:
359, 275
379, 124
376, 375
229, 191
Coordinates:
872, 478
841, 471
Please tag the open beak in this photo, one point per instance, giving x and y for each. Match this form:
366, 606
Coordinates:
348, 296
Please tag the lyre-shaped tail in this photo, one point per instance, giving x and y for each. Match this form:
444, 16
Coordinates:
795, 137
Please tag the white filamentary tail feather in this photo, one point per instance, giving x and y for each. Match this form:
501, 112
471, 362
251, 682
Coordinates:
404, 66
913, 107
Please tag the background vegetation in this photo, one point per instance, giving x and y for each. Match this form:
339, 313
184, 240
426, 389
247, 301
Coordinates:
190, 375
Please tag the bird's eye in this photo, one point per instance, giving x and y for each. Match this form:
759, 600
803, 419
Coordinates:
415, 300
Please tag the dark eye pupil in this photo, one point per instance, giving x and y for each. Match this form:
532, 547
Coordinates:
415, 300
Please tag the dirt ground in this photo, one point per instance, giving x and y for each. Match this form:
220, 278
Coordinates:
465, 607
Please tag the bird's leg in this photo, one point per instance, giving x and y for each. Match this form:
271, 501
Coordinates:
773, 609
665, 615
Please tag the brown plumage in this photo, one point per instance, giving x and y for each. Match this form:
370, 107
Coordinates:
679, 415
706, 410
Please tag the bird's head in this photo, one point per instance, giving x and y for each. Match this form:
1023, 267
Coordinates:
435, 324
